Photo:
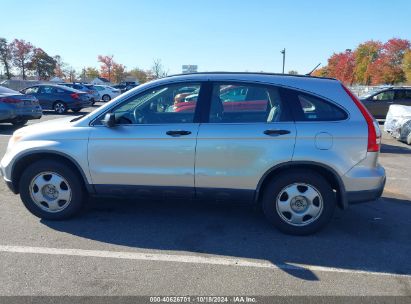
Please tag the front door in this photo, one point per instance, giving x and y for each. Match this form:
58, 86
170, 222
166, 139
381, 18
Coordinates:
151, 149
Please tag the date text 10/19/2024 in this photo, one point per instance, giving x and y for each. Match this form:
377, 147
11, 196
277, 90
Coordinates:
202, 299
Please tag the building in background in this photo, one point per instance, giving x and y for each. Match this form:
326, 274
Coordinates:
188, 68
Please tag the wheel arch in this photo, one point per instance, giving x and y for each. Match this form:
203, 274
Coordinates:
327, 172
26, 159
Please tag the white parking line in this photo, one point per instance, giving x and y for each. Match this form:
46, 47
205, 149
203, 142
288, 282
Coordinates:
177, 258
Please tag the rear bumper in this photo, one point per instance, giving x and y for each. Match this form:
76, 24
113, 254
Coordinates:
26, 113
356, 197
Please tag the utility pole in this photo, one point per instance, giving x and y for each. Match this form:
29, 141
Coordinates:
283, 52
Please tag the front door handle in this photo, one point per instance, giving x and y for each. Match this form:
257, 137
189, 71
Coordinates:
276, 132
178, 132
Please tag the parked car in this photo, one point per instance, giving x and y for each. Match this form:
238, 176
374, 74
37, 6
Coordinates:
84, 87
126, 85
106, 93
17, 108
59, 98
378, 102
311, 148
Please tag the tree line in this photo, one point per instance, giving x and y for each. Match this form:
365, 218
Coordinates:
371, 63
28, 60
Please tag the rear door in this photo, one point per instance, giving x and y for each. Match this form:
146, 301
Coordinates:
46, 96
247, 131
381, 102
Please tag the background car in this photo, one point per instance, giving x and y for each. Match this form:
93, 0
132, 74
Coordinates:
59, 98
378, 102
18, 108
84, 87
106, 93
126, 85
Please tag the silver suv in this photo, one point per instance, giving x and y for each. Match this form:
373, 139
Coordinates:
298, 146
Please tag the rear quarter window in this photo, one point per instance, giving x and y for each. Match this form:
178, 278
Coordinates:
307, 107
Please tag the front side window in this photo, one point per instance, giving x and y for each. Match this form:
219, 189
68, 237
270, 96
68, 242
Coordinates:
245, 103
159, 105
386, 95
32, 90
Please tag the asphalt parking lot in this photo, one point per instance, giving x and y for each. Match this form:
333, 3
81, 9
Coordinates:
131, 247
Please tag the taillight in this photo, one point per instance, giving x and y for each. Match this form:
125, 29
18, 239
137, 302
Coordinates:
10, 100
374, 133
74, 96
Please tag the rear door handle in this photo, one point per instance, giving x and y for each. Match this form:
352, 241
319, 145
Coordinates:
178, 132
276, 132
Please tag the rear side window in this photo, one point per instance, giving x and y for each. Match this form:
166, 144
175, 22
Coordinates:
408, 94
245, 103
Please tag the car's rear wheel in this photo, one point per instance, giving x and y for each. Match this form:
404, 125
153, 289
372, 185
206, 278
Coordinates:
60, 107
299, 202
106, 98
19, 121
51, 190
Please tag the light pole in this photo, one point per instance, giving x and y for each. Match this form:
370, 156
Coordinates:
283, 52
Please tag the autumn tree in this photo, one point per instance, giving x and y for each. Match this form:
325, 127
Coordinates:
6, 57
61, 68
406, 65
341, 66
106, 66
387, 68
71, 74
119, 72
43, 64
22, 52
320, 72
365, 55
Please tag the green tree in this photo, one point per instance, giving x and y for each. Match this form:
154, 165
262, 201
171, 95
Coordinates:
141, 75
43, 64
6, 57
92, 73
293, 72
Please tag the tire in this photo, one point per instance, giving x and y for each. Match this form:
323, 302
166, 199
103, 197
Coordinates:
76, 110
36, 190
19, 122
59, 107
299, 202
106, 98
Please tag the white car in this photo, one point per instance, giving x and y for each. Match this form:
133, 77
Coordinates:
106, 92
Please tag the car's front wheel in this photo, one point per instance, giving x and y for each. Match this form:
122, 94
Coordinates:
51, 190
106, 98
299, 202
60, 107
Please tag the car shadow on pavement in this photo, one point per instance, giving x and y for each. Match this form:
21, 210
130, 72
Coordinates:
372, 236
395, 149
7, 129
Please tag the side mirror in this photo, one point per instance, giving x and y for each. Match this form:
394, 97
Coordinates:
109, 120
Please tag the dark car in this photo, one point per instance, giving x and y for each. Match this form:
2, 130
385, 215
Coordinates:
379, 101
59, 98
84, 87
18, 108
126, 85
